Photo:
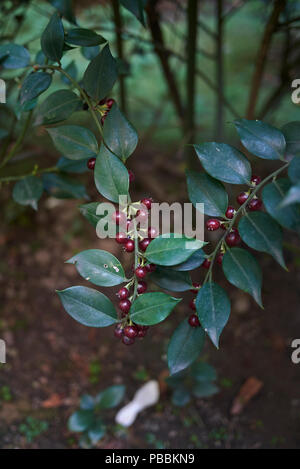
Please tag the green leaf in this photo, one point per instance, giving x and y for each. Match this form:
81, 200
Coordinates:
52, 41
291, 132
213, 308
84, 37
81, 420
111, 176
63, 187
87, 402
57, 107
90, 52
13, 56
34, 85
203, 372
74, 141
65, 7
192, 262
260, 232
204, 189
273, 195
28, 191
261, 139
89, 212
100, 75
242, 270
136, 7
151, 308
96, 431
3, 133
119, 135
110, 397
171, 280
207, 389
89, 307
224, 162
292, 197
294, 170
99, 267
181, 397
185, 346
168, 250
71, 166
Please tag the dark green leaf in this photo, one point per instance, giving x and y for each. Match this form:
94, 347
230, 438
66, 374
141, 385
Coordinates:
111, 176
291, 132
192, 263
203, 372
99, 267
152, 308
84, 37
90, 52
213, 307
224, 162
100, 75
259, 231
170, 250
58, 107
110, 397
87, 402
185, 346
96, 432
89, 212
71, 166
207, 389
34, 85
81, 420
89, 307
119, 135
136, 7
273, 195
28, 191
294, 169
261, 139
74, 141
204, 189
63, 187
292, 197
65, 7
171, 280
181, 397
242, 270
13, 56
52, 41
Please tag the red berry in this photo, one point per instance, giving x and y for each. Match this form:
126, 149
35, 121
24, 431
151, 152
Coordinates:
91, 163
142, 287
255, 179
254, 204
121, 238
144, 244
124, 305
110, 102
192, 304
242, 197
118, 332
194, 321
127, 340
150, 267
123, 294
152, 232
131, 331
196, 287
206, 263
129, 246
147, 202
142, 333
131, 175
220, 258
233, 238
140, 272
213, 224
118, 217
142, 214
230, 212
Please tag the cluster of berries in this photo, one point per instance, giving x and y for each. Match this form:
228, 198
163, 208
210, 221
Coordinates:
193, 319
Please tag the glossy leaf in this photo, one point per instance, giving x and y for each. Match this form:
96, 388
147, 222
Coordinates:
273, 195
87, 402
13, 56
152, 308
261, 139
74, 141
185, 346
71, 166
213, 308
242, 270
89, 307
202, 390
90, 53
34, 85
204, 189
110, 397
194, 261
57, 107
81, 420
119, 135
65, 7
136, 7
63, 187
292, 197
84, 37
111, 176
181, 397
260, 232
294, 169
96, 431
99, 267
28, 191
291, 132
52, 41
89, 212
224, 162
171, 280
203, 372
169, 250
100, 75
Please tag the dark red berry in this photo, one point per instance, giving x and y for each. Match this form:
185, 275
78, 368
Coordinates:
194, 321
150, 267
124, 305
142, 214
131, 331
142, 287
254, 204
140, 272
233, 238
118, 332
147, 202
242, 197
220, 258
144, 244
213, 224
121, 238
142, 333
110, 102
255, 179
102, 102
192, 304
230, 212
127, 340
206, 263
129, 246
118, 217
131, 175
91, 163
196, 287
123, 294
152, 232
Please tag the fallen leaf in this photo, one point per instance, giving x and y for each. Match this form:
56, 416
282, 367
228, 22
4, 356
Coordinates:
55, 400
250, 388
